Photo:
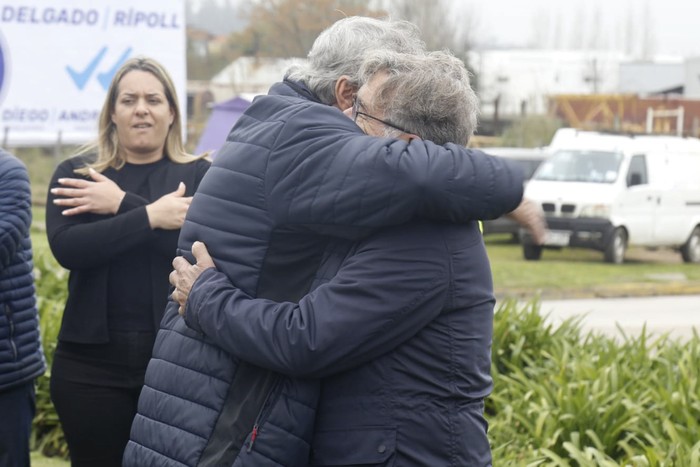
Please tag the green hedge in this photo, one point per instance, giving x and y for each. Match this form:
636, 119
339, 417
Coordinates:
561, 397
51, 281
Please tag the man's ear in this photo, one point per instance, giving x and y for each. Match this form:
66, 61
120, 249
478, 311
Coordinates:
344, 92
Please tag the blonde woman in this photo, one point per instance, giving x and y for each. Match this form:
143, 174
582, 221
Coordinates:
113, 217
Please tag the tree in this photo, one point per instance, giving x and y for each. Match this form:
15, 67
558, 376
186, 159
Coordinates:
444, 24
596, 38
202, 64
540, 33
288, 28
578, 29
215, 16
647, 51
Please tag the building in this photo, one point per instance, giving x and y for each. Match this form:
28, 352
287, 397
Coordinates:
514, 82
692, 78
662, 76
590, 89
248, 77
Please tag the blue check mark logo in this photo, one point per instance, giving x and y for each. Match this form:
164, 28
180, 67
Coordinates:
106, 77
82, 76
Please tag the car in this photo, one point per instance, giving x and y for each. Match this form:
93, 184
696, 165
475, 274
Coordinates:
529, 159
606, 191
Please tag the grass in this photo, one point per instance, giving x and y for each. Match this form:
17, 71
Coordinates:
41, 461
573, 273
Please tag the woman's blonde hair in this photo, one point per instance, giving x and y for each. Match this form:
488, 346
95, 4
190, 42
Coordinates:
107, 145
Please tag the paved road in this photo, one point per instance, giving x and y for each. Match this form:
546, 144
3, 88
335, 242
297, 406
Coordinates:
677, 315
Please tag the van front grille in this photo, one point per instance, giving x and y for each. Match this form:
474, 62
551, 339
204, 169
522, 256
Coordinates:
565, 210
568, 208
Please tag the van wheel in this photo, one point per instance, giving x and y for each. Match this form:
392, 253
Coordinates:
532, 252
690, 251
615, 251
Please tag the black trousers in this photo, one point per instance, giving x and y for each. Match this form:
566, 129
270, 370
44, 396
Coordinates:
17, 409
95, 389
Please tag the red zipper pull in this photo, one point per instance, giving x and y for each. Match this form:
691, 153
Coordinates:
253, 435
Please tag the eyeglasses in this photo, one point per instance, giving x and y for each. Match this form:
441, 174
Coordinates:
357, 105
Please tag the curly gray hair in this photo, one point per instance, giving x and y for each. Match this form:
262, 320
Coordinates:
428, 94
340, 49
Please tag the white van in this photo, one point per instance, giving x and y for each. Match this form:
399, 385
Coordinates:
607, 191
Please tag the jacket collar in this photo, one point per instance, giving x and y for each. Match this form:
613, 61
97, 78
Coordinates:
297, 88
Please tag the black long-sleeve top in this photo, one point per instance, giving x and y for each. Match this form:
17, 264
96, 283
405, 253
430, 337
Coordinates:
97, 249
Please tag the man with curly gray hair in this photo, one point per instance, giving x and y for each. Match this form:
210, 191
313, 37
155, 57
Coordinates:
428, 95
422, 401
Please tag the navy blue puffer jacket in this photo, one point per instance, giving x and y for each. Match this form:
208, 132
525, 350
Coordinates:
21, 356
293, 175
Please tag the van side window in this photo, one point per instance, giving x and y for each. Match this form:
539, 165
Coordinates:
637, 173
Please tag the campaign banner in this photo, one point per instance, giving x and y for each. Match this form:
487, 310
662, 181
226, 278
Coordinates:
57, 60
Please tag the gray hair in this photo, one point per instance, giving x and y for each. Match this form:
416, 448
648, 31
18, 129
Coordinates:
341, 48
428, 94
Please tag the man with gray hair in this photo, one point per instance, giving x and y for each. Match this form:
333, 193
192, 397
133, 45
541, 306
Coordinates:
422, 95
295, 177
427, 106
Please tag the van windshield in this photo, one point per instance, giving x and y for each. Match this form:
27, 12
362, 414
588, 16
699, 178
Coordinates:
528, 166
580, 166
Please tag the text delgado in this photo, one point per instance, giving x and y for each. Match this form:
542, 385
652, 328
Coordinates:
90, 17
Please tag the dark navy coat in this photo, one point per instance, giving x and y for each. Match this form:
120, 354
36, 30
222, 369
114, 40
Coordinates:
400, 331
293, 175
21, 356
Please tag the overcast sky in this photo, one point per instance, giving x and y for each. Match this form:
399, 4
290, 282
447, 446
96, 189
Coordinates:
674, 25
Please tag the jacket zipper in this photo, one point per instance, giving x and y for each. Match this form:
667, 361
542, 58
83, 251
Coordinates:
11, 337
264, 412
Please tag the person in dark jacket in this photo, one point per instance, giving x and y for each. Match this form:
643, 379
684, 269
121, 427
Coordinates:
400, 331
21, 355
294, 176
113, 217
